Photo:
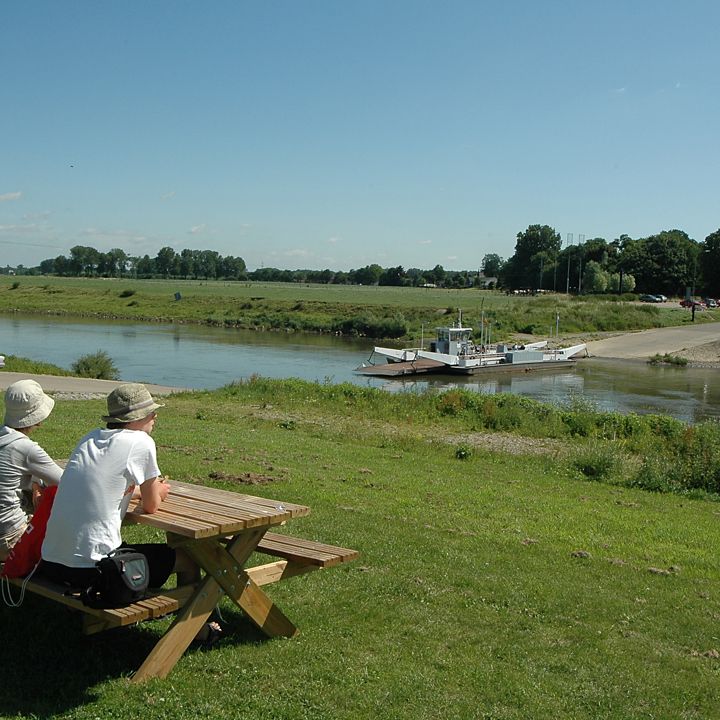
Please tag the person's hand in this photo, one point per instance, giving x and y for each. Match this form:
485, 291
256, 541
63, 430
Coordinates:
37, 493
163, 487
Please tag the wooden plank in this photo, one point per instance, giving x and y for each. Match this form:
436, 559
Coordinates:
226, 498
172, 523
107, 617
280, 570
305, 551
259, 510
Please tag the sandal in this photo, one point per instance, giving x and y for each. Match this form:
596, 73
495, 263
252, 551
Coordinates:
214, 631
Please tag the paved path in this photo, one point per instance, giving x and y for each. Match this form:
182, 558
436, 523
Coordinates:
646, 343
57, 383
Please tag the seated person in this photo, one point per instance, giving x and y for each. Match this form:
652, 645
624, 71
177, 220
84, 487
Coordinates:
23, 463
103, 473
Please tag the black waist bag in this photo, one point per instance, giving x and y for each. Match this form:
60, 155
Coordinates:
122, 579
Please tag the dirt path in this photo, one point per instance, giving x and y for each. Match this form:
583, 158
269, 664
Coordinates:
72, 385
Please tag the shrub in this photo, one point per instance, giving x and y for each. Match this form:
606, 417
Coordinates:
97, 365
127, 293
598, 461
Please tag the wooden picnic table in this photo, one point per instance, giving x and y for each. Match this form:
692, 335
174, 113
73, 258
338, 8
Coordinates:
220, 530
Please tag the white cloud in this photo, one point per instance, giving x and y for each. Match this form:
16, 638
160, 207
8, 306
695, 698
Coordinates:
7, 197
197, 228
622, 90
168, 196
32, 216
18, 228
426, 242
246, 225
452, 257
334, 240
296, 253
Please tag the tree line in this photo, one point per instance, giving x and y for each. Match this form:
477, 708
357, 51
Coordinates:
209, 265
666, 263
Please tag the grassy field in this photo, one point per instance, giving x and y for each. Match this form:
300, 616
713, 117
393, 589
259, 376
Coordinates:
345, 309
495, 580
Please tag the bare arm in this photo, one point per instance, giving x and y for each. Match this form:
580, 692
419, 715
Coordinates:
152, 493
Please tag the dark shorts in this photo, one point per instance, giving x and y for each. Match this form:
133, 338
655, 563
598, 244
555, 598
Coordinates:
161, 561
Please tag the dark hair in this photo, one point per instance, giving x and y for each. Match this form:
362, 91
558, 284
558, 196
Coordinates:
116, 425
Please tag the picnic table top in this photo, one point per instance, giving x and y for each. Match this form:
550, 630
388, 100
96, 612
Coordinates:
196, 511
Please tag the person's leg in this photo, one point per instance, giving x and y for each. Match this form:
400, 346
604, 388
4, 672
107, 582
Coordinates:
188, 572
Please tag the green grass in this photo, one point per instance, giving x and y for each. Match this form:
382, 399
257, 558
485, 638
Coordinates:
16, 364
344, 309
467, 600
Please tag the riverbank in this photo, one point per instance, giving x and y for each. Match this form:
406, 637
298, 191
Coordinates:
398, 313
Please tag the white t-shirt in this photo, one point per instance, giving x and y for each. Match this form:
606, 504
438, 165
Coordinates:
94, 495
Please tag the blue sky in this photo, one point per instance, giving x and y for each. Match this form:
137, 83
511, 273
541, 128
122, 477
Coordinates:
314, 134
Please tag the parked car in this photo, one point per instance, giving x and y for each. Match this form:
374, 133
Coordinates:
710, 302
661, 298
649, 298
2, 361
689, 303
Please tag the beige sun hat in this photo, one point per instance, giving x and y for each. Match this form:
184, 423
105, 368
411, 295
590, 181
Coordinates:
26, 404
129, 402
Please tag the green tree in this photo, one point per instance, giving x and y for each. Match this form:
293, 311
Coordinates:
662, 263
709, 265
536, 252
164, 261
492, 265
595, 279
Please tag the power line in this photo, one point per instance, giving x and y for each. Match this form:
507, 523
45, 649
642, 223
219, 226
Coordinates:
57, 247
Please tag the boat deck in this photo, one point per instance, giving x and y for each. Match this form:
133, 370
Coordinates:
398, 369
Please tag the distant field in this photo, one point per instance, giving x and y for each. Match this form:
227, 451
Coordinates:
378, 312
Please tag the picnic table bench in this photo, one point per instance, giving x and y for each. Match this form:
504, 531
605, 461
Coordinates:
220, 530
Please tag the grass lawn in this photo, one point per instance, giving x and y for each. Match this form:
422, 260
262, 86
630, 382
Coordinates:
345, 309
496, 586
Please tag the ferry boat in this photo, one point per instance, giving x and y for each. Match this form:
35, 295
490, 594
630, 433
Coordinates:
454, 352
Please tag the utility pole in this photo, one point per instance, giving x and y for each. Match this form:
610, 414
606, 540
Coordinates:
569, 243
581, 240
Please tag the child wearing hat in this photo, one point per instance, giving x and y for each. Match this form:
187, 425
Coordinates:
108, 467
23, 463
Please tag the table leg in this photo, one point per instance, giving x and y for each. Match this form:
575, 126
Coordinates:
225, 566
187, 624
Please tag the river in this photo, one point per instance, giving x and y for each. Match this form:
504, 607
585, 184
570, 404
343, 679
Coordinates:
198, 357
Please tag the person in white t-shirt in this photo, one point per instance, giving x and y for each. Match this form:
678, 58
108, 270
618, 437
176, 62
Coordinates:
24, 465
108, 467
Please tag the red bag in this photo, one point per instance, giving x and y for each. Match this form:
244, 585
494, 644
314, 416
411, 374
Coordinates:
27, 553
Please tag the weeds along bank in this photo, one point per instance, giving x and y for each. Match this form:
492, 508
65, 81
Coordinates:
654, 452
374, 312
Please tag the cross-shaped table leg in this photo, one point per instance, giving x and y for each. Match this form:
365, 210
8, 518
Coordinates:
224, 574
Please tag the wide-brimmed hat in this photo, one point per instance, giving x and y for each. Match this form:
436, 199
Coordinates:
26, 404
129, 402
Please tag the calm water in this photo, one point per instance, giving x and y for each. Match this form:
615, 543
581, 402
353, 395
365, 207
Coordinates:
195, 356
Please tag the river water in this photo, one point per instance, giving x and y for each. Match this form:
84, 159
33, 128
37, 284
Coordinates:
198, 357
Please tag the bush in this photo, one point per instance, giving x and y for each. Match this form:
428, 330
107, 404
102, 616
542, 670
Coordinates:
97, 365
598, 461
